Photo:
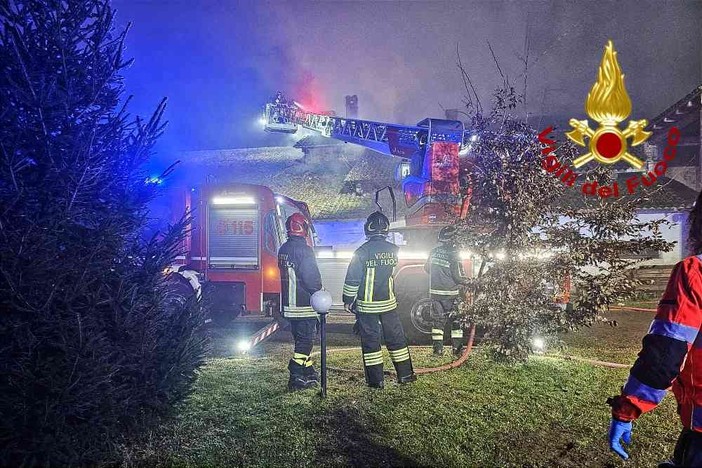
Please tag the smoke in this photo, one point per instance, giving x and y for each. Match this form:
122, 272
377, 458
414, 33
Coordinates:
218, 62
400, 57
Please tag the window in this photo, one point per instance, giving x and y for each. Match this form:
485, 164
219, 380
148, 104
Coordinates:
271, 236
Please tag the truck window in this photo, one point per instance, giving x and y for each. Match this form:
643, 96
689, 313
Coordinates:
286, 210
271, 238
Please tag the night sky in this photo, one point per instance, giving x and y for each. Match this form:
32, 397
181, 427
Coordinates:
218, 62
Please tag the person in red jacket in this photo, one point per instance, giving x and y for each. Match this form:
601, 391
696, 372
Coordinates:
671, 355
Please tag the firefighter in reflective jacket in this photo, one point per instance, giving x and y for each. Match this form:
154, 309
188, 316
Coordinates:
445, 277
300, 278
671, 354
370, 294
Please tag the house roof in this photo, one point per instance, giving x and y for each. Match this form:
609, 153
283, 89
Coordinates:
680, 114
316, 141
340, 186
338, 180
665, 194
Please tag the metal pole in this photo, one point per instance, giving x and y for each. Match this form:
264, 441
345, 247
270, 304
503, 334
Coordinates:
323, 338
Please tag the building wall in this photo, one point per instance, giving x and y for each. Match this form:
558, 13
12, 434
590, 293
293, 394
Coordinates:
675, 232
344, 234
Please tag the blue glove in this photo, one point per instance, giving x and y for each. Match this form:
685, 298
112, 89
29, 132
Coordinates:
618, 431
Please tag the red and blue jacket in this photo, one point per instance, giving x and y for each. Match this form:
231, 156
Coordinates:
672, 352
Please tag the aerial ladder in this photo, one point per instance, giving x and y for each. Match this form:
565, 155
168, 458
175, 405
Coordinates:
432, 189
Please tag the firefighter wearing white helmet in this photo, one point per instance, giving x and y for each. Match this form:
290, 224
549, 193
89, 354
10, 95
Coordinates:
445, 277
300, 279
370, 294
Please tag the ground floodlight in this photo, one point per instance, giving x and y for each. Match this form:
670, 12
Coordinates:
243, 346
539, 344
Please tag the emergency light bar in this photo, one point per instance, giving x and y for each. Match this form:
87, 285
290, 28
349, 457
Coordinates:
233, 201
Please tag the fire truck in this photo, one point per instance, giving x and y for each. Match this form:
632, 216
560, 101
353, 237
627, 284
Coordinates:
231, 246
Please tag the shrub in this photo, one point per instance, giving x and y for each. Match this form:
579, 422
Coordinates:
93, 347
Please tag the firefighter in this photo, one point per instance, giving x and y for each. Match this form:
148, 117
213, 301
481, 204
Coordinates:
300, 278
671, 354
369, 293
445, 277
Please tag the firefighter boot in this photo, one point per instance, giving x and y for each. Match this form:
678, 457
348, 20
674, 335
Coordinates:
403, 365
298, 380
374, 376
405, 379
437, 338
374, 371
457, 340
311, 374
380, 385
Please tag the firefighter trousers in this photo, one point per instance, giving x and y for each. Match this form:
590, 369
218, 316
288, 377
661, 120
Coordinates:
373, 328
304, 332
439, 324
688, 449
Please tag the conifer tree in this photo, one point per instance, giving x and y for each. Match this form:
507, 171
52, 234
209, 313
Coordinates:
92, 348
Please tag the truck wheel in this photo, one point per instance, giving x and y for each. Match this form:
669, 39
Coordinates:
416, 320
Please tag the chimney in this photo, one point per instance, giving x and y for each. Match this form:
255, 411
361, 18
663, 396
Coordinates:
451, 114
352, 107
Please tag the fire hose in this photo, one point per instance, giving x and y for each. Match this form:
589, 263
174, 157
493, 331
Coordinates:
462, 359
458, 362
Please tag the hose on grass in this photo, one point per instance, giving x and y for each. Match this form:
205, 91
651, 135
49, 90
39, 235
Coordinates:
594, 362
633, 309
462, 359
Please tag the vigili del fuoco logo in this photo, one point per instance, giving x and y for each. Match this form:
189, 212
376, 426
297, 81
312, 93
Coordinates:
608, 104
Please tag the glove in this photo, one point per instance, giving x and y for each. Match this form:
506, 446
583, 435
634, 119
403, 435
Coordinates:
618, 431
356, 328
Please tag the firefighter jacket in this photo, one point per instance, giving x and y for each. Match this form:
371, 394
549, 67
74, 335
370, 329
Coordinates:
445, 272
369, 281
299, 278
672, 352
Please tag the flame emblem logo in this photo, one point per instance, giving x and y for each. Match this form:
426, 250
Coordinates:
608, 104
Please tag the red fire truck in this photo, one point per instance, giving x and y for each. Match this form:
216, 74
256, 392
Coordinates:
232, 244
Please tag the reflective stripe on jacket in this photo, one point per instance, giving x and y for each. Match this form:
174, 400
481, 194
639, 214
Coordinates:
299, 278
369, 280
445, 270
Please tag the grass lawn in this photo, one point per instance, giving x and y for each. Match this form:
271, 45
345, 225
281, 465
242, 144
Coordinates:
546, 412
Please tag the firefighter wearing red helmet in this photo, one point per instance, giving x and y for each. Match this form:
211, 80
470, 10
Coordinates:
446, 274
671, 354
300, 279
370, 294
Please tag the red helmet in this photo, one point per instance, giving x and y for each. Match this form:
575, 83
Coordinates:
297, 225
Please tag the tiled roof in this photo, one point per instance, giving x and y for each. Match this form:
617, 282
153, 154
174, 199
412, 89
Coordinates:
342, 187
665, 194
316, 141
686, 108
